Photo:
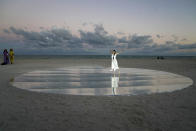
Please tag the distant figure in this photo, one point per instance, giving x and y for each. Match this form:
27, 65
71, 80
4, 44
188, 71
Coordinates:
11, 54
114, 64
160, 57
6, 57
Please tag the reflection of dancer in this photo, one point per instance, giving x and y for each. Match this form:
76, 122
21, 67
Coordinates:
114, 64
114, 83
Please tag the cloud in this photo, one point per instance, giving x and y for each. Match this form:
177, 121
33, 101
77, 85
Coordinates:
97, 41
84, 24
42, 28
187, 46
121, 33
170, 48
136, 41
123, 40
48, 38
158, 36
99, 38
174, 37
100, 30
6, 31
184, 39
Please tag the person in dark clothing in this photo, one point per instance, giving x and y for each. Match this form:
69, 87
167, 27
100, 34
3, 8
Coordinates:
5, 57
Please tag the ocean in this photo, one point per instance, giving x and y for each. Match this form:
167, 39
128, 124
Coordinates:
94, 57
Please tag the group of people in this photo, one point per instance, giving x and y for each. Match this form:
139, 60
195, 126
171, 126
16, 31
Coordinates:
8, 57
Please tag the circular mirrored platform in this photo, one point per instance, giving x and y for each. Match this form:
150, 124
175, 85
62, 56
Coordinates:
101, 81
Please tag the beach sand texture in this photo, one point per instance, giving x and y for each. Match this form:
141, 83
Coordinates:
21, 110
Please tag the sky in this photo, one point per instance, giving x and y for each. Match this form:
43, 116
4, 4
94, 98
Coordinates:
132, 27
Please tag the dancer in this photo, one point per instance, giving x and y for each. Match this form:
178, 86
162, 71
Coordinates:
11, 54
114, 64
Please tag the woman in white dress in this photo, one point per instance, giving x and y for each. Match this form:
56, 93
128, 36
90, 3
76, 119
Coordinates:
114, 65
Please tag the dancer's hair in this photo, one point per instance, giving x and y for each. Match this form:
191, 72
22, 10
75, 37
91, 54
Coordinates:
114, 51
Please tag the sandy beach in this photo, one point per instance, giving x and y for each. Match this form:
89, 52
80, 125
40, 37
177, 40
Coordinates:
22, 110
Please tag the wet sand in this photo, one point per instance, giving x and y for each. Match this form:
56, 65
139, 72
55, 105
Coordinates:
22, 110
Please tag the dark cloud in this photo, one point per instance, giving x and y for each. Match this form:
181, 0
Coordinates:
99, 38
98, 41
120, 33
48, 38
187, 46
123, 40
158, 36
84, 24
42, 28
169, 48
6, 31
184, 39
100, 30
136, 41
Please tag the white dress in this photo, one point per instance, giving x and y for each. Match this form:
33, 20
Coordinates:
114, 65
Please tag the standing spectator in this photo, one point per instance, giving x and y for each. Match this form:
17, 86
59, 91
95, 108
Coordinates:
6, 57
11, 54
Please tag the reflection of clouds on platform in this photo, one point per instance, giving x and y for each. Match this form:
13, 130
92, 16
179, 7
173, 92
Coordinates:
100, 81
